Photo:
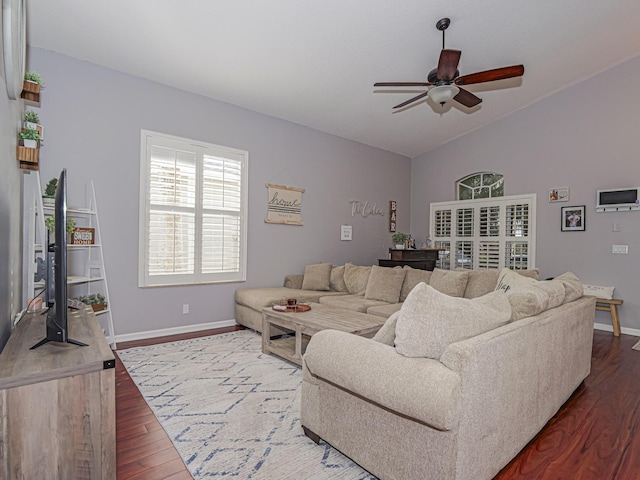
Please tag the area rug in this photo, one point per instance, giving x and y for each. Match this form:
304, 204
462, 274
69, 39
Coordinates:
232, 411
636, 346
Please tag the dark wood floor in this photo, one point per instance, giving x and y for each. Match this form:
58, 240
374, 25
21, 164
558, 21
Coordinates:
595, 436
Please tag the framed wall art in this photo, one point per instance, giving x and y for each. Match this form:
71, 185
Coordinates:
573, 219
559, 194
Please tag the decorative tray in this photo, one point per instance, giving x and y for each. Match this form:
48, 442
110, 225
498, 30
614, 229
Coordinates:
295, 308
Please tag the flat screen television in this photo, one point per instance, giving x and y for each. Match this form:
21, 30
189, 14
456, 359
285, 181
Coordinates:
56, 277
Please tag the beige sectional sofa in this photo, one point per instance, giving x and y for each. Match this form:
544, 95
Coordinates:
451, 388
369, 289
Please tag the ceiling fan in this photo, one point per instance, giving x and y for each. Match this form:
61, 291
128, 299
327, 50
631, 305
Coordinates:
445, 80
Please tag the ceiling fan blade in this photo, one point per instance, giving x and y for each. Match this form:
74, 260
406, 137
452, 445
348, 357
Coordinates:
401, 84
467, 98
491, 75
448, 64
411, 100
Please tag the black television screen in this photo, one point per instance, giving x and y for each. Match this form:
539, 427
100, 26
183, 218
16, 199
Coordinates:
56, 281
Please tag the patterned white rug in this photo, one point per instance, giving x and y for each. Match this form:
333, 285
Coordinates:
232, 411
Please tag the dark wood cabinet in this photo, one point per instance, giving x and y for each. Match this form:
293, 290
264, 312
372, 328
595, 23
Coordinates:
423, 259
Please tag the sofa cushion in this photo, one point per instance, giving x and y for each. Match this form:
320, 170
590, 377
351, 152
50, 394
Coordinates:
336, 282
509, 279
449, 282
480, 281
293, 281
317, 277
527, 301
413, 277
350, 302
430, 320
572, 286
356, 278
385, 284
385, 310
387, 333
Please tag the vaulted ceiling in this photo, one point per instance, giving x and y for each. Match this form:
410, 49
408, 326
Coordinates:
315, 63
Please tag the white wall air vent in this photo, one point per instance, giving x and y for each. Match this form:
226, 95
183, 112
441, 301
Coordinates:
618, 200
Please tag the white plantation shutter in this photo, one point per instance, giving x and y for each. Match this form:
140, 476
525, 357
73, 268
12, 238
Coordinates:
192, 212
489, 233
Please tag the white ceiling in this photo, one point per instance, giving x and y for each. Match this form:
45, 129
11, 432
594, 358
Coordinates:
315, 62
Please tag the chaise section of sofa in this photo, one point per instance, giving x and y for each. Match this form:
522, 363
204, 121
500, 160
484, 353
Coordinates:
461, 414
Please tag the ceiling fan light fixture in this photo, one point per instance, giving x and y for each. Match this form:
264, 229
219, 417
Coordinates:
443, 93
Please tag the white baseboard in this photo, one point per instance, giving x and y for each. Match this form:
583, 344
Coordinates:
609, 328
174, 331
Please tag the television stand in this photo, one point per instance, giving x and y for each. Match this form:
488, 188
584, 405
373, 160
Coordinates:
58, 403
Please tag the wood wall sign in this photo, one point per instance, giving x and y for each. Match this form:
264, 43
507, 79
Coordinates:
83, 236
393, 210
284, 204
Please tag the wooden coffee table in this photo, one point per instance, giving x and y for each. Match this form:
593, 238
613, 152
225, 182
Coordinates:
305, 324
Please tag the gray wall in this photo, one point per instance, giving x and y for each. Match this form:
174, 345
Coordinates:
584, 138
93, 117
10, 211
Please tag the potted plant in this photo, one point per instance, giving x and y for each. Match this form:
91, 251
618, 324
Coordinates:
32, 82
31, 120
95, 300
50, 192
50, 223
30, 137
400, 239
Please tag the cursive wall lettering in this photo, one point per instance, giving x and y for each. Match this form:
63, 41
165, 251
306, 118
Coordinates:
365, 209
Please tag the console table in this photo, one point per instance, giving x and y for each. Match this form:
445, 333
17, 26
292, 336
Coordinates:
58, 402
423, 259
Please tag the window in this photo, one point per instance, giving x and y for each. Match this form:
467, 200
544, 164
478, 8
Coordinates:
480, 185
193, 212
487, 233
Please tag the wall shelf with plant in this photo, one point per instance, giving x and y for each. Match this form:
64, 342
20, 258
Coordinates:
31, 87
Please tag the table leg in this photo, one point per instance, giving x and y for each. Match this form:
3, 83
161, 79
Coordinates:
615, 320
299, 343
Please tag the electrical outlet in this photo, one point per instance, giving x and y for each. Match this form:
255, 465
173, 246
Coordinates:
623, 249
185, 308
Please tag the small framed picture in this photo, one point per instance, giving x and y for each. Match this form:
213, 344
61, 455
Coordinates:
559, 194
573, 218
346, 232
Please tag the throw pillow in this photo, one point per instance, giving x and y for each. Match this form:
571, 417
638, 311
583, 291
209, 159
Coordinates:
317, 277
356, 278
554, 289
385, 284
527, 301
412, 278
449, 282
572, 286
430, 320
509, 279
336, 283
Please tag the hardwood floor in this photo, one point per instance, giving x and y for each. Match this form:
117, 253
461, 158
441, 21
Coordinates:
594, 436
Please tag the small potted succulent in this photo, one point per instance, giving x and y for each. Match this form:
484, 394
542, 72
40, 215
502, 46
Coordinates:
31, 120
30, 137
50, 192
95, 300
32, 82
400, 240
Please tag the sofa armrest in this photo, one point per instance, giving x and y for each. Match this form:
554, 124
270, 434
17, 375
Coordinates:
293, 281
420, 388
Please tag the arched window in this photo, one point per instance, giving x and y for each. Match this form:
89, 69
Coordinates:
480, 185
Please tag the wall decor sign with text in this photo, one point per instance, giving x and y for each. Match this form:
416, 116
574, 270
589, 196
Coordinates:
393, 211
284, 204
